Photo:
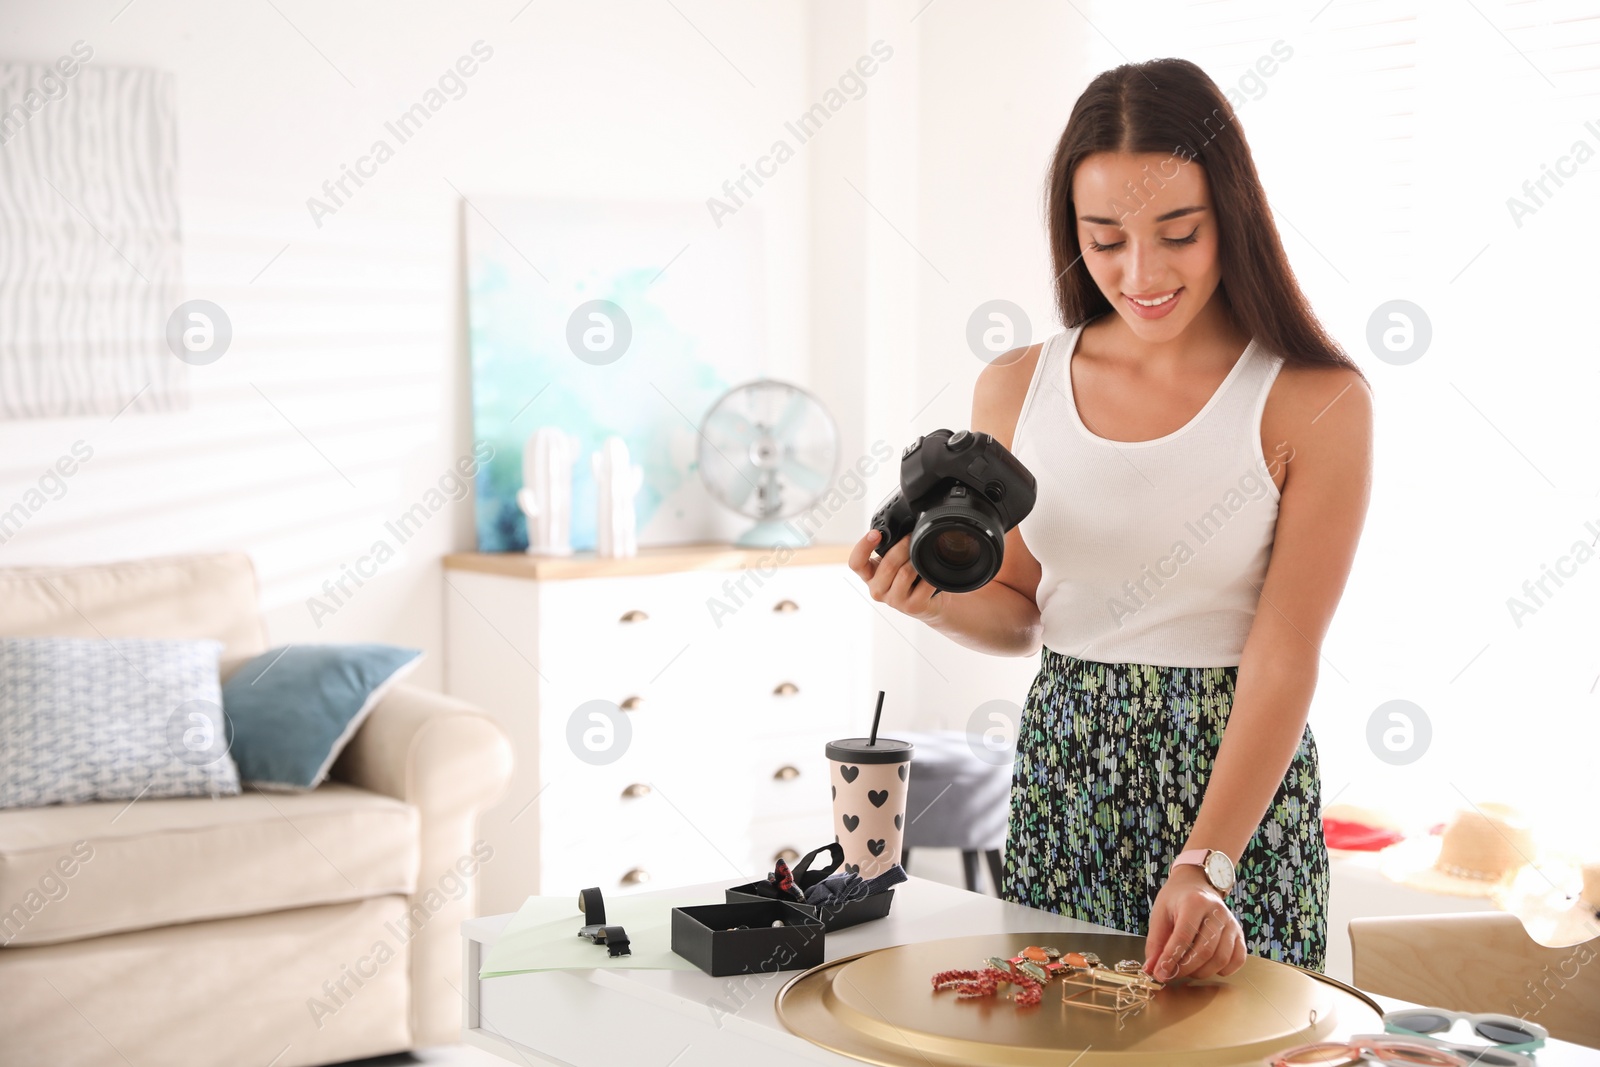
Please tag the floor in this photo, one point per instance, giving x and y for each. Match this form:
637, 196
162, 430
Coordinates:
938, 864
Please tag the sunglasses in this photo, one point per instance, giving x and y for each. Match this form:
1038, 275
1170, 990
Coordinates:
1506, 1030
1368, 1048
1474, 1055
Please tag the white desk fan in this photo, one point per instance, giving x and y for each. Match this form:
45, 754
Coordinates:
768, 450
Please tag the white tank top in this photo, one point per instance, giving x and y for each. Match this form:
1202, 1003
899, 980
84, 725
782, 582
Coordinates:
1152, 551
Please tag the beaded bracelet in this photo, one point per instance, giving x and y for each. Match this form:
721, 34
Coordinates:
983, 983
1117, 988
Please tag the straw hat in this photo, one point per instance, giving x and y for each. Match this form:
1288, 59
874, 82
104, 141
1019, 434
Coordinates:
1481, 850
1559, 904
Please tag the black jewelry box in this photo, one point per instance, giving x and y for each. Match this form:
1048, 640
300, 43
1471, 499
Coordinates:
705, 936
832, 916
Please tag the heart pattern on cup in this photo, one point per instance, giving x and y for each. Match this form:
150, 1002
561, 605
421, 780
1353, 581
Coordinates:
869, 809
853, 868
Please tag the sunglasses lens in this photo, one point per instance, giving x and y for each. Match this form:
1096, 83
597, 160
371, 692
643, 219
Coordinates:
1503, 1033
1423, 1022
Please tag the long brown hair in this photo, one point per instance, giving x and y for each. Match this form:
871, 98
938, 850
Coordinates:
1171, 106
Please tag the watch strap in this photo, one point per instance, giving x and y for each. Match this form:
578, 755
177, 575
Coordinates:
1198, 857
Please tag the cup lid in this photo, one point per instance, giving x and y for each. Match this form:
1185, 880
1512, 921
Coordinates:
857, 750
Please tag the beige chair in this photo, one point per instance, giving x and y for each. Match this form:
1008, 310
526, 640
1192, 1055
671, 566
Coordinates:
1481, 961
284, 929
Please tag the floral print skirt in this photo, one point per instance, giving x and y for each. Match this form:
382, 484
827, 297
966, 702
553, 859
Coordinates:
1112, 763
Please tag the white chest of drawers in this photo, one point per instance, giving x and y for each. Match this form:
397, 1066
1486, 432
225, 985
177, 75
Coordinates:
731, 671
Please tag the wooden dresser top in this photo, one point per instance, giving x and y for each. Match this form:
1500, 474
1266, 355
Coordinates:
655, 559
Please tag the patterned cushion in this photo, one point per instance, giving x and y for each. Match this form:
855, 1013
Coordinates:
110, 719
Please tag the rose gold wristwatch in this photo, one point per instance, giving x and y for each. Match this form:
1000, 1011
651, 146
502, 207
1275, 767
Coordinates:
1216, 865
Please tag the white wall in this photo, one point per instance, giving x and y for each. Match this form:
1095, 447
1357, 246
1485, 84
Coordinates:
986, 145
344, 395
930, 207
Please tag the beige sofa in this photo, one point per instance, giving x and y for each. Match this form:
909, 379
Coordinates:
279, 929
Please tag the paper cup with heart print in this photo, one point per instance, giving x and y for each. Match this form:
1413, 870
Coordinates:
869, 801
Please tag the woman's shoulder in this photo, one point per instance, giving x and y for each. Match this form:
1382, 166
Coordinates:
1299, 385
1310, 403
1001, 388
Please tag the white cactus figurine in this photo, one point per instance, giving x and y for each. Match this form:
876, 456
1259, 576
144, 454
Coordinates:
616, 482
546, 493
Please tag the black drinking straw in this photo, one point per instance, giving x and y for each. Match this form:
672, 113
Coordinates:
876, 715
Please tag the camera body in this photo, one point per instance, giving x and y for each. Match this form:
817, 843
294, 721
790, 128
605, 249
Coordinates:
960, 493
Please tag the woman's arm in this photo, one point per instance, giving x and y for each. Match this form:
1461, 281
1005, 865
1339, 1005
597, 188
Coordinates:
1001, 618
1327, 421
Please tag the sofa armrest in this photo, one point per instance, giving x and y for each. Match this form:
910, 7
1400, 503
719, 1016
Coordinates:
450, 761
428, 749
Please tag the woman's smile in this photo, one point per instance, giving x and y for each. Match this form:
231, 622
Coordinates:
1158, 306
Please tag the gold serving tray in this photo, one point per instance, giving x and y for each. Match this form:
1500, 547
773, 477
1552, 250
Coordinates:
880, 1007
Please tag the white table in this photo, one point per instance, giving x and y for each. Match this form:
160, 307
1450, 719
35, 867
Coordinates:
603, 1018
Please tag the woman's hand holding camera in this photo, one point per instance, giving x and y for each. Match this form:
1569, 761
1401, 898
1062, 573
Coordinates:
892, 580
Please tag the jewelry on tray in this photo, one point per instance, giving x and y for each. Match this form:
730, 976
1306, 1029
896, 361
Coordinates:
983, 983
1118, 988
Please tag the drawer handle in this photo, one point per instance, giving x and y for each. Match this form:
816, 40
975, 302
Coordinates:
787, 855
634, 616
631, 703
784, 607
786, 773
637, 789
637, 876
785, 689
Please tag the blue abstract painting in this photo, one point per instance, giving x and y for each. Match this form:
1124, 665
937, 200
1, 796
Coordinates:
606, 319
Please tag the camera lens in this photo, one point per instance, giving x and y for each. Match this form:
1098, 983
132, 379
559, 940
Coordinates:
956, 547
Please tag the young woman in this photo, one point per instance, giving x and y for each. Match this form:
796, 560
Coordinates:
1203, 452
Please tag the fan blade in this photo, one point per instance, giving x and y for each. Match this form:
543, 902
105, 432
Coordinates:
803, 476
799, 408
733, 484
726, 429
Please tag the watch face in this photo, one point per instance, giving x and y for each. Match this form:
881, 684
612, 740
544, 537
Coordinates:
1219, 868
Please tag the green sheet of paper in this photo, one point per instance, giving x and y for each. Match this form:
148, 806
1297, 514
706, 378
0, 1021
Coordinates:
543, 935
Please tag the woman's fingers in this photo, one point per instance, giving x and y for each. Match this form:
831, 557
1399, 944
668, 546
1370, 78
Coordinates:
861, 561
1230, 952
900, 588
1221, 955
889, 568
890, 578
1204, 945
1185, 931
1240, 952
1219, 959
1155, 943
921, 597
1216, 946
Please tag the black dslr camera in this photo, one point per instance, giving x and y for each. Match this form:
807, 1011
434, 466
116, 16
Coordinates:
959, 494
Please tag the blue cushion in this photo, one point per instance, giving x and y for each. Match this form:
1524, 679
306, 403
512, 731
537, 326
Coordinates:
292, 709
85, 719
